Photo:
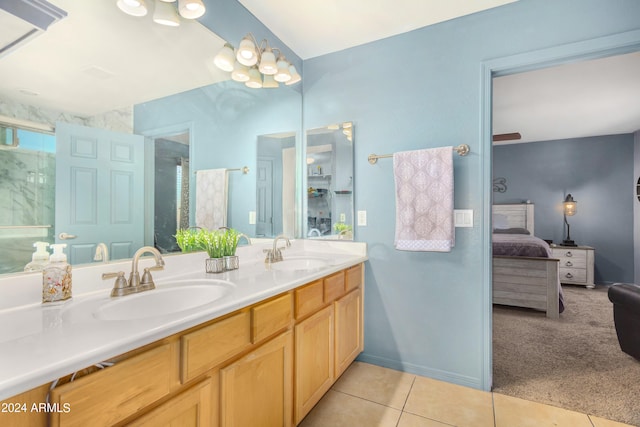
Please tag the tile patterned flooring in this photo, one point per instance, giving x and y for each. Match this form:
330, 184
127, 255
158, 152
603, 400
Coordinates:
371, 396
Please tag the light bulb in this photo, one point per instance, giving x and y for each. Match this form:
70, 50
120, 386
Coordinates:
225, 59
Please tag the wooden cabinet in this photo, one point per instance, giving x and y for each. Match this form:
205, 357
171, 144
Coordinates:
264, 365
349, 338
314, 360
576, 264
118, 391
189, 408
257, 390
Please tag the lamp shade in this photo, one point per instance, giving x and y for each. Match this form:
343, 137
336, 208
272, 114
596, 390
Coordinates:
133, 7
268, 82
226, 58
165, 14
268, 62
283, 74
240, 72
255, 79
247, 54
570, 206
191, 9
295, 77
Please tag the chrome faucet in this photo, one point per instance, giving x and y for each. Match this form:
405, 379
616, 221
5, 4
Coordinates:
275, 254
247, 238
314, 231
102, 253
136, 284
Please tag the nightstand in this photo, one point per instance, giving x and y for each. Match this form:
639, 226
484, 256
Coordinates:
576, 264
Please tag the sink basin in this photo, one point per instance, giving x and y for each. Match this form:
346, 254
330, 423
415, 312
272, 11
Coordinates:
164, 300
299, 264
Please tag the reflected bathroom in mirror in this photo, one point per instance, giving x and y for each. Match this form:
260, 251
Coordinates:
276, 185
107, 89
329, 162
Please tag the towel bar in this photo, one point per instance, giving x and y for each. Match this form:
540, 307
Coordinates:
462, 150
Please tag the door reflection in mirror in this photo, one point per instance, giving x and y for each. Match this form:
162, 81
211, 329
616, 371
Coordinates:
329, 161
275, 185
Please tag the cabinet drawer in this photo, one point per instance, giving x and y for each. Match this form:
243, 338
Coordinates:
570, 254
573, 262
573, 275
333, 286
270, 317
309, 299
354, 277
115, 393
206, 348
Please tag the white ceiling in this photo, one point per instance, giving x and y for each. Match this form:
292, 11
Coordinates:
316, 27
99, 59
588, 98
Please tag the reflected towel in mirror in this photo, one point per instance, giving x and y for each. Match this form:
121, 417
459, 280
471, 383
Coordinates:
424, 200
211, 198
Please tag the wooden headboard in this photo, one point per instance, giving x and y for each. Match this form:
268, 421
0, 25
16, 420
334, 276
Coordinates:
519, 215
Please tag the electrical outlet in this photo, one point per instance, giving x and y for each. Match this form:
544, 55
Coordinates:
252, 217
362, 218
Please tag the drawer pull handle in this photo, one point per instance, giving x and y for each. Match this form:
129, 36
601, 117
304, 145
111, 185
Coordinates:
568, 264
569, 276
568, 254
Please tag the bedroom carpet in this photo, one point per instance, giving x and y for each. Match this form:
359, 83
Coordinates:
574, 362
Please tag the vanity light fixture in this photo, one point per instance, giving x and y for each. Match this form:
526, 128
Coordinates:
255, 64
165, 13
570, 208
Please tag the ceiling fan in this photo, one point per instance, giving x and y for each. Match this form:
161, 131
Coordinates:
507, 137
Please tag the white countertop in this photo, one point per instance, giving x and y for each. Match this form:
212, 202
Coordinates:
40, 343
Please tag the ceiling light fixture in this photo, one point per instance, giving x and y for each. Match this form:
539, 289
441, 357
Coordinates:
165, 13
255, 64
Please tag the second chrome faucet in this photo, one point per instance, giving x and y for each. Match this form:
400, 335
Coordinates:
136, 284
275, 254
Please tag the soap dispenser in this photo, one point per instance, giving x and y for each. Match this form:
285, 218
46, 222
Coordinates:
56, 276
39, 258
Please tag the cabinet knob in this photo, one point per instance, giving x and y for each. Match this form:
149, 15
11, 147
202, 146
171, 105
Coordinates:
568, 254
568, 264
569, 276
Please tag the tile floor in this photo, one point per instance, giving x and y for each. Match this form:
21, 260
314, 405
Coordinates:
371, 396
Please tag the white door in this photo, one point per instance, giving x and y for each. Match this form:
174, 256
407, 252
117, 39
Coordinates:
99, 191
264, 202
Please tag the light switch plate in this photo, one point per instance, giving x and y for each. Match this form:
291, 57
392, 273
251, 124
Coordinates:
362, 218
463, 217
252, 217
343, 217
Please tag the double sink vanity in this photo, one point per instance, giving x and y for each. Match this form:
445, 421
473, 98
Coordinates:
259, 345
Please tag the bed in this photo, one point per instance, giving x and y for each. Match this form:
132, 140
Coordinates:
524, 272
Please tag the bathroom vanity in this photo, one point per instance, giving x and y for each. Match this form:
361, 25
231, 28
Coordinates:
262, 353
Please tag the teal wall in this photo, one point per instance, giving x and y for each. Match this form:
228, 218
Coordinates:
429, 313
598, 173
225, 120
426, 313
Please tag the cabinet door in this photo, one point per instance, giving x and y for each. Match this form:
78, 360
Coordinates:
257, 390
314, 360
349, 341
190, 408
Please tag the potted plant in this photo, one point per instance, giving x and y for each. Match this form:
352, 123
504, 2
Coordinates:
187, 240
230, 238
344, 230
211, 242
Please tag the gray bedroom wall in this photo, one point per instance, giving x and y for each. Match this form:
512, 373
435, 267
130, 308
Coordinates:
636, 203
598, 172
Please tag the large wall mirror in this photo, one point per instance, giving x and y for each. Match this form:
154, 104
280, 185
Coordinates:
329, 177
133, 86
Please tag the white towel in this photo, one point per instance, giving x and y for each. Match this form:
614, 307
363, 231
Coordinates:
424, 200
211, 198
